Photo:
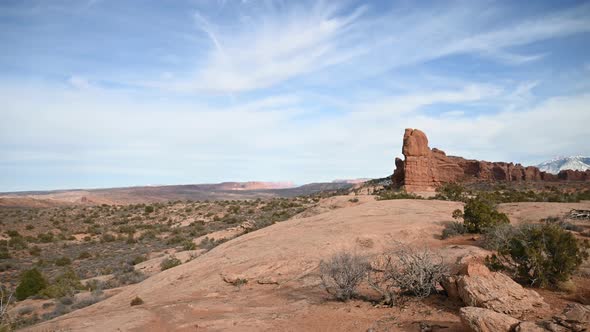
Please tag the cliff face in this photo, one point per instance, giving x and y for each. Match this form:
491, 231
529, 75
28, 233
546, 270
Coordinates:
424, 169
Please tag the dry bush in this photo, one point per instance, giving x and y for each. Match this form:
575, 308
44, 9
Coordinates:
5, 299
408, 271
92, 299
169, 263
498, 237
342, 273
453, 228
136, 301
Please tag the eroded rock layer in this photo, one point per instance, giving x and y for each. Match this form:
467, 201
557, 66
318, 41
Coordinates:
424, 169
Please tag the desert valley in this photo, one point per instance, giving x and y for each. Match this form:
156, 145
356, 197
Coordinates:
432, 247
282, 165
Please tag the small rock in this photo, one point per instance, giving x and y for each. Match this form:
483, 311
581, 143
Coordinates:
232, 278
529, 327
473, 269
575, 317
485, 320
449, 284
267, 281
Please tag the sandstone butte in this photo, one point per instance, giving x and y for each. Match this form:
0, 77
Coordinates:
423, 169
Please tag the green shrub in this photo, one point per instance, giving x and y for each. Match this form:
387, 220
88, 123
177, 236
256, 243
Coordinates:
148, 209
176, 239
4, 254
138, 259
31, 283
451, 192
189, 245
481, 214
66, 284
62, 261
45, 237
17, 243
169, 263
389, 194
542, 255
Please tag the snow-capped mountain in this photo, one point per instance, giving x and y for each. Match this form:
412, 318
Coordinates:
577, 163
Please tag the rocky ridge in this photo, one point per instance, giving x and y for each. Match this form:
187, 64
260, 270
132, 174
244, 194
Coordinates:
424, 169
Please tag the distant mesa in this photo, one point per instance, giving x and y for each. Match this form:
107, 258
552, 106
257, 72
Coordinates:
253, 185
423, 169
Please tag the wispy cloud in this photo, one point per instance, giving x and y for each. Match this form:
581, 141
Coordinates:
274, 44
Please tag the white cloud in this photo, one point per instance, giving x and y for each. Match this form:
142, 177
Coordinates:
101, 130
78, 82
273, 47
275, 44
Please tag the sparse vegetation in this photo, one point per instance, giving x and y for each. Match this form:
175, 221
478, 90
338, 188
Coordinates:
108, 240
342, 273
498, 237
408, 271
63, 261
541, 255
136, 301
5, 302
31, 283
401, 271
65, 284
453, 228
480, 214
390, 194
451, 192
169, 263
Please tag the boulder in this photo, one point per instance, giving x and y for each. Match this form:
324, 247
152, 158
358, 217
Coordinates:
449, 284
475, 268
484, 320
529, 327
476, 286
575, 317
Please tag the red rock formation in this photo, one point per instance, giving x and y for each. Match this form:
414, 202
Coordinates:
424, 169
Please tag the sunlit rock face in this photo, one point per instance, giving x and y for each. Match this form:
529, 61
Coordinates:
424, 169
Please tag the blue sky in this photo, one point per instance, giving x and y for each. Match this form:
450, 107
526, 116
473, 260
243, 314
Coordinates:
106, 93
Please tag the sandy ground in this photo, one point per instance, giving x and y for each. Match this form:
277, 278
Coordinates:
194, 296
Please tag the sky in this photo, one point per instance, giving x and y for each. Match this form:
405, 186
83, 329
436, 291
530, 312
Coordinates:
105, 93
